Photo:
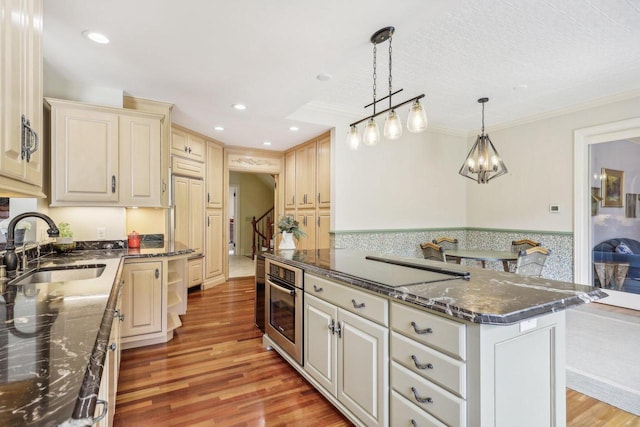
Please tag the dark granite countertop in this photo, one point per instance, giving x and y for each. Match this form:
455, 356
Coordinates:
487, 296
54, 337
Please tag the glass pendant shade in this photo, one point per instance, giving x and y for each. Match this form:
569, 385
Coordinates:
483, 163
417, 119
392, 126
353, 138
371, 134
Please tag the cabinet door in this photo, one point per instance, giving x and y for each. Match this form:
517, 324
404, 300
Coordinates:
324, 172
214, 167
196, 215
196, 148
323, 236
142, 298
363, 368
306, 176
307, 222
139, 161
84, 155
195, 271
320, 343
181, 212
20, 87
178, 142
290, 180
213, 249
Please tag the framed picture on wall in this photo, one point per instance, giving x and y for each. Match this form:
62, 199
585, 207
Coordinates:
595, 200
612, 188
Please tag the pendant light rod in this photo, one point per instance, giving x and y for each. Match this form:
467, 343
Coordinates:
382, 99
388, 109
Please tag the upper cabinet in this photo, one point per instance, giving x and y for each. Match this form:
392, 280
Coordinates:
102, 156
21, 121
187, 145
307, 190
214, 176
306, 176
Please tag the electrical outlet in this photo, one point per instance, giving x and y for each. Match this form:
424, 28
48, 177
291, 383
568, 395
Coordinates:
102, 233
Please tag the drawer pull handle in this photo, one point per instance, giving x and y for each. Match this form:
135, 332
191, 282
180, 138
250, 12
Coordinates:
420, 399
317, 289
421, 365
339, 328
414, 423
356, 305
421, 331
332, 327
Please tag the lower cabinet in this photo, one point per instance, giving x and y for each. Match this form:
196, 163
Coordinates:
110, 371
154, 295
347, 355
142, 298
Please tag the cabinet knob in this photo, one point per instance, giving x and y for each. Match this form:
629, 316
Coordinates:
113, 346
157, 273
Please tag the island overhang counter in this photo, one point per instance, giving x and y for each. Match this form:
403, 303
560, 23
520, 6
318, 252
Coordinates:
448, 344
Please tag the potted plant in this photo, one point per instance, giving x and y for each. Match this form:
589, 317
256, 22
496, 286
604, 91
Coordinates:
64, 242
290, 229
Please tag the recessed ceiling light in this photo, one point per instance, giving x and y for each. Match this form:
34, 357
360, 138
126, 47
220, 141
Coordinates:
239, 106
96, 37
218, 128
294, 128
324, 77
267, 143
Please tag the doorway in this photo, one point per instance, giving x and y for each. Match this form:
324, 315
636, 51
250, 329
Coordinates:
250, 196
586, 234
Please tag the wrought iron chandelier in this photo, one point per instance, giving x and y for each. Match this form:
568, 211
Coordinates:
416, 121
483, 162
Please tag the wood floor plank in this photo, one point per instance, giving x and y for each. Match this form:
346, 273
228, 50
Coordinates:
215, 372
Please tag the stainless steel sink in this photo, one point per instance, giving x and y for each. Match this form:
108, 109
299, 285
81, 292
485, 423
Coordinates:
61, 273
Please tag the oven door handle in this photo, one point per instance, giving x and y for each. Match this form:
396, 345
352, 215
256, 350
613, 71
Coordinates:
291, 292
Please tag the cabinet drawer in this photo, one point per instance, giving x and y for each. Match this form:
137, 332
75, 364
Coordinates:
405, 413
366, 305
438, 402
429, 363
435, 331
186, 167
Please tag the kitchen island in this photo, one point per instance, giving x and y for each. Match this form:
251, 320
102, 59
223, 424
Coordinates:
423, 342
55, 336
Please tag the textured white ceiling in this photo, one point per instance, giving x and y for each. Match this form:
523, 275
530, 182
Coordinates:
530, 57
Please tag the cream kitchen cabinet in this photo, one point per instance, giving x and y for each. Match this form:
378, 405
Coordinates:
345, 352
214, 175
213, 271
142, 300
290, 180
189, 213
323, 235
21, 119
111, 368
307, 222
306, 176
154, 295
102, 156
187, 144
323, 180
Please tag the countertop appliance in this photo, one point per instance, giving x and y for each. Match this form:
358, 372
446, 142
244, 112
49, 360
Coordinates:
283, 305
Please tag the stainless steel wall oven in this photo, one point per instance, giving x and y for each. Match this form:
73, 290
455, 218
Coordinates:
283, 306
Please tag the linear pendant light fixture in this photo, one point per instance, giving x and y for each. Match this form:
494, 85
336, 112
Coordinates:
483, 162
416, 122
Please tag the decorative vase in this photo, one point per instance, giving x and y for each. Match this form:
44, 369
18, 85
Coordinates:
287, 241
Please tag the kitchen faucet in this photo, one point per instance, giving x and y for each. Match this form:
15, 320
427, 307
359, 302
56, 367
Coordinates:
10, 259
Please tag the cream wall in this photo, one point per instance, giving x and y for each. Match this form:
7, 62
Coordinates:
539, 156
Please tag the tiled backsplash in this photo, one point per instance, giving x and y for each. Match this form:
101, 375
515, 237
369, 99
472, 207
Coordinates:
559, 265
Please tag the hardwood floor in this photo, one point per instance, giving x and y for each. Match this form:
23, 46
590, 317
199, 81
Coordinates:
215, 372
